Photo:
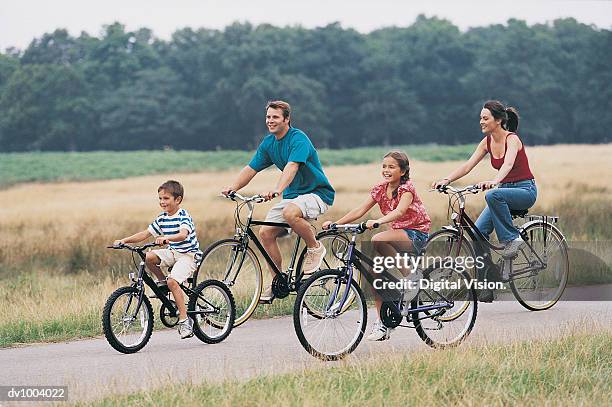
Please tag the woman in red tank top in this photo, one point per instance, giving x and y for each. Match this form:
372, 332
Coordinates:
514, 181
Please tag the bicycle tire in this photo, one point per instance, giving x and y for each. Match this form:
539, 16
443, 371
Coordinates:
224, 300
246, 291
145, 318
463, 318
310, 337
525, 289
334, 243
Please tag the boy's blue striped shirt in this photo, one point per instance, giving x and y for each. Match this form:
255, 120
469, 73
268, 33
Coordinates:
165, 225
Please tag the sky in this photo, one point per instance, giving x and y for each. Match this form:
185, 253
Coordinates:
23, 20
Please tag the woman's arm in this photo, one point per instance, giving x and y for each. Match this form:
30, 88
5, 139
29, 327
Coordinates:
465, 168
513, 146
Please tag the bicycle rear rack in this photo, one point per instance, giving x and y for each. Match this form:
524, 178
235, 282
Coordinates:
545, 218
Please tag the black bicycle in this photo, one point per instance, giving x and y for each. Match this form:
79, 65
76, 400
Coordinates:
127, 318
234, 261
330, 326
537, 273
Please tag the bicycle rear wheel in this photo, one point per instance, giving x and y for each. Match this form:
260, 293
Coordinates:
548, 259
212, 308
127, 326
337, 331
445, 327
239, 268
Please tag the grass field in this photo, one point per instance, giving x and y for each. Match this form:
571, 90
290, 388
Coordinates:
45, 167
55, 272
571, 371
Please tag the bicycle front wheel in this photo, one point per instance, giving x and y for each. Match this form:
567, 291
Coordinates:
336, 246
544, 258
212, 308
239, 268
447, 243
336, 331
452, 290
127, 326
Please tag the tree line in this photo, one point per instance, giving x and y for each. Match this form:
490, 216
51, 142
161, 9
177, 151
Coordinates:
206, 89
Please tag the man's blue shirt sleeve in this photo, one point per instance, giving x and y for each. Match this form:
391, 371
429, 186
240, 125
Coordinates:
261, 159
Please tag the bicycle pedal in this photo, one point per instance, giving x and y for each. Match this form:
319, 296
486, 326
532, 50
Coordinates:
265, 302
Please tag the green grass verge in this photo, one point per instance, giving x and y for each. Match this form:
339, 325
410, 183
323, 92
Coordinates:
54, 329
75, 166
574, 370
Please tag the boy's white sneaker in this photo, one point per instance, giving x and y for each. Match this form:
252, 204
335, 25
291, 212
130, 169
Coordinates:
185, 328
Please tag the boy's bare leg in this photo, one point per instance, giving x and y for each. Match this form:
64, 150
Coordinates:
179, 298
152, 263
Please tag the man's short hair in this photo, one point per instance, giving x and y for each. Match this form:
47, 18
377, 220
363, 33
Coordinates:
172, 187
282, 105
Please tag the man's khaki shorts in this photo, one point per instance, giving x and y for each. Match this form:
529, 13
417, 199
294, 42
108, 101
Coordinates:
311, 205
183, 264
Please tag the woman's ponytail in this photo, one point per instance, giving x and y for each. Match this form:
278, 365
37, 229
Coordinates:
513, 119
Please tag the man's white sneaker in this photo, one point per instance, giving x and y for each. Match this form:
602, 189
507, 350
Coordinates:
379, 332
513, 246
313, 259
185, 328
266, 296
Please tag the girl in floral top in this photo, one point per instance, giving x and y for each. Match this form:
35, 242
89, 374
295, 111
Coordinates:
403, 209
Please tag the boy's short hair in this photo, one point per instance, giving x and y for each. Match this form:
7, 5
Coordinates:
172, 187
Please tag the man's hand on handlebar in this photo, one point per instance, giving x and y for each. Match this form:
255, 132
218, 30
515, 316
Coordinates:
228, 191
268, 196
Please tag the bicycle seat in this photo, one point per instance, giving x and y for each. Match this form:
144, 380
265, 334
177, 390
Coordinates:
519, 213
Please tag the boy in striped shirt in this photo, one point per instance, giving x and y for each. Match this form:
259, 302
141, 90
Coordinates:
174, 227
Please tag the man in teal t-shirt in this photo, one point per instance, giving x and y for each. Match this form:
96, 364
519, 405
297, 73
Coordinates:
306, 191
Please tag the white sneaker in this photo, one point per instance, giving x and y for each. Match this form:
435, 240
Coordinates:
185, 328
313, 259
266, 296
379, 332
513, 246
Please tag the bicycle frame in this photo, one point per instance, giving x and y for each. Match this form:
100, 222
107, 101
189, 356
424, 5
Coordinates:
248, 234
481, 243
144, 278
355, 258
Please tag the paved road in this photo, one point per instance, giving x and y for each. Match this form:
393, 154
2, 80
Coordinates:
91, 368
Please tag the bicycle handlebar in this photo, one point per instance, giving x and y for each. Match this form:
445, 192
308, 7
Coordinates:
445, 189
255, 198
133, 248
352, 227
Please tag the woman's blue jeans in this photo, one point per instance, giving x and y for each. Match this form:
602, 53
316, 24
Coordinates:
509, 195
